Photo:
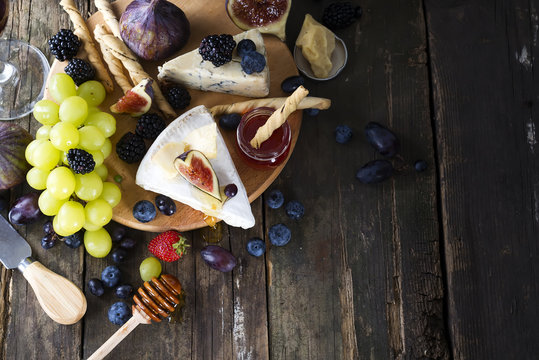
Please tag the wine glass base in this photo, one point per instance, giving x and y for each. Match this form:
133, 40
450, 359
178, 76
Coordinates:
23, 73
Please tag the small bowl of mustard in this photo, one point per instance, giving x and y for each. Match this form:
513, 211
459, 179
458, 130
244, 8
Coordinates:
339, 57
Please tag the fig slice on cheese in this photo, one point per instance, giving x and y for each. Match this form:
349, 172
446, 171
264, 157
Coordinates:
194, 167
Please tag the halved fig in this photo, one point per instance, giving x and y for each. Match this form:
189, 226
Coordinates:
136, 101
268, 16
194, 167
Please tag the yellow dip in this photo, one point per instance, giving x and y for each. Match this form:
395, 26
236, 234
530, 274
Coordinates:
317, 43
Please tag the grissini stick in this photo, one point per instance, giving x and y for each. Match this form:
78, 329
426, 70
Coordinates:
155, 300
110, 18
278, 117
81, 30
242, 107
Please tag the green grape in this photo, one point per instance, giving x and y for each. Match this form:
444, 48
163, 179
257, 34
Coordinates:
111, 193
149, 268
97, 243
30, 149
98, 157
74, 110
71, 217
91, 227
48, 204
91, 110
89, 186
63, 158
45, 155
58, 229
37, 178
64, 136
93, 92
46, 112
61, 86
105, 122
102, 171
106, 149
61, 183
43, 132
91, 138
98, 212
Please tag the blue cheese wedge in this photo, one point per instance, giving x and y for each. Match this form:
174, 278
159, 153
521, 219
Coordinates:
190, 70
155, 175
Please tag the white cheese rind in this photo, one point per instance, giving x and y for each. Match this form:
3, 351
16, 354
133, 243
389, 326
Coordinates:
190, 70
150, 175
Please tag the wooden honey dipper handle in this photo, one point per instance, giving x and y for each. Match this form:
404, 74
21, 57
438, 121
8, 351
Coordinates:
137, 318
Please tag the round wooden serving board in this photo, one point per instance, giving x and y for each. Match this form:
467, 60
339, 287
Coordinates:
206, 18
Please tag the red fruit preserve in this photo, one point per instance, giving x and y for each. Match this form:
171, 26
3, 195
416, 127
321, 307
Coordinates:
273, 151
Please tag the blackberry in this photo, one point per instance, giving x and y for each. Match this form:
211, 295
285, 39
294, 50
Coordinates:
149, 126
339, 15
64, 45
131, 148
80, 161
217, 49
80, 71
178, 97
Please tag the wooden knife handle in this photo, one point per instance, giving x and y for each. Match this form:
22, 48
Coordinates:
62, 300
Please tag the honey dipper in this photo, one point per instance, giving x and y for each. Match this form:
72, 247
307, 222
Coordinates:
155, 300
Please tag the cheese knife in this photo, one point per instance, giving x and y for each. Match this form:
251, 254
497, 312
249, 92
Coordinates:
62, 300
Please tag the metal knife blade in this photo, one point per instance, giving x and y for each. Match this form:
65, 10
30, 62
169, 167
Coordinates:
13, 247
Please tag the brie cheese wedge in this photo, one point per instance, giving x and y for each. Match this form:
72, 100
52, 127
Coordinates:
154, 175
190, 70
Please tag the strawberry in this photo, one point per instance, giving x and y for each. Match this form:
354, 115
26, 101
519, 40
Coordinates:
168, 246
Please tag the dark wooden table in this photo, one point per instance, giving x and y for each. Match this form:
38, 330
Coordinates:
440, 264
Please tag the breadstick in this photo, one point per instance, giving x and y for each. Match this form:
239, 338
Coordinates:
115, 65
242, 107
279, 117
108, 15
81, 30
136, 72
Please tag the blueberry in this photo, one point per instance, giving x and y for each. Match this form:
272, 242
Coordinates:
343, 134
111, 276
144, 211
375, 171
128, 243
295, 210
279, 234
47, 227
75, 240
256, 247
253, 62
48, 241
290, 84
117, 233
231, 190
165, 205
95, 286
312, 111
123, 291
230, 121
245, 46
420, 165
119, 255
119, 313
275, 199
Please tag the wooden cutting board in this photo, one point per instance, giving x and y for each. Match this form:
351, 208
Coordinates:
206, 18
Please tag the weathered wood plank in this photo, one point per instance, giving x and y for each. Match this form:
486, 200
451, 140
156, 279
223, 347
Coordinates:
485, 94
369, 254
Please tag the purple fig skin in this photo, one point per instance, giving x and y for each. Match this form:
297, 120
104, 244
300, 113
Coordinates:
25, 210
13, 165
218, 258
154, 29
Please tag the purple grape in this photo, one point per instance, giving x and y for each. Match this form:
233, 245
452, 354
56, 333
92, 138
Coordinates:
165, 205
382, 139
218, 258
47, 227
231, 190
48, 241
117, 233
128, 243
25, 210
375, 171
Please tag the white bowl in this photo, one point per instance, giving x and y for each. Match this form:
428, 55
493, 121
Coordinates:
339, 57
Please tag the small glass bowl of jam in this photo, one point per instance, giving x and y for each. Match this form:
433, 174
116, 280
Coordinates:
273, 151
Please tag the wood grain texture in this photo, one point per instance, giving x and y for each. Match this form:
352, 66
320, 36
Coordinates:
485, 96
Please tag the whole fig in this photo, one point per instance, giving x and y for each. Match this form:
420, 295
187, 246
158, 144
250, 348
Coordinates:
154, 29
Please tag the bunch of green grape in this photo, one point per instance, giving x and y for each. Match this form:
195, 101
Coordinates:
73, 121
